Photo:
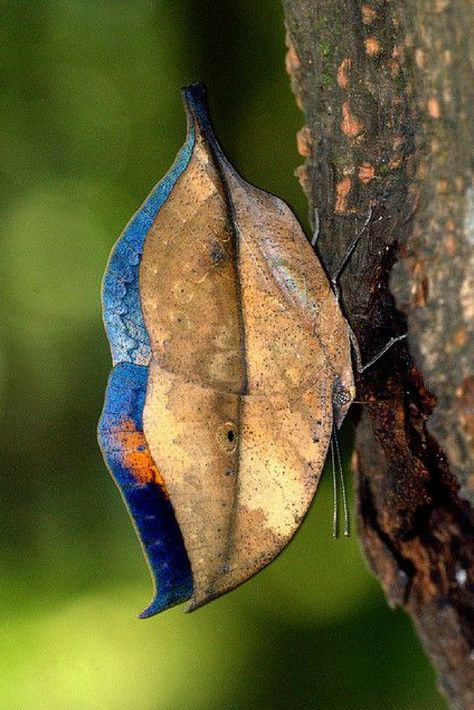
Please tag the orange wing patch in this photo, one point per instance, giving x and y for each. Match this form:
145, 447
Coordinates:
136, 455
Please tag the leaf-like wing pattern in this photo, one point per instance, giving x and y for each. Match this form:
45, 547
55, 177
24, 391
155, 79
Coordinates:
227, 328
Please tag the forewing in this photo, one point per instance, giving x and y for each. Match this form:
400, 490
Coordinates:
239, 411
192, 307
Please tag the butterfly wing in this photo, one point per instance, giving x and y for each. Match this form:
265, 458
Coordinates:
238, 412
120, 430
227, 344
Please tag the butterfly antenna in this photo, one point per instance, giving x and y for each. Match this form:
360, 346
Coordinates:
343, 485
334, 492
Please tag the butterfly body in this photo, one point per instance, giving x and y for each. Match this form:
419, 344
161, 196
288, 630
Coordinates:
248, 367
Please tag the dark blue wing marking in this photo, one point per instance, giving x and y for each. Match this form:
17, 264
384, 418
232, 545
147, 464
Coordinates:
123, 317
125, 450
120, 432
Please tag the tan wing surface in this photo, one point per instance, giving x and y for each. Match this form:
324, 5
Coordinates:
247, 342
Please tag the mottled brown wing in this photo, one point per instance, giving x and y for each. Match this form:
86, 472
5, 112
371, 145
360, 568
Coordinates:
247, 342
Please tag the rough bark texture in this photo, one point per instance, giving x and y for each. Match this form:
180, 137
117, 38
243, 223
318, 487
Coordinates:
387, 92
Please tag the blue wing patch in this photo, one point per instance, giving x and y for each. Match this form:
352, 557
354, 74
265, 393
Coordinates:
123, 318
120, 429
127, 455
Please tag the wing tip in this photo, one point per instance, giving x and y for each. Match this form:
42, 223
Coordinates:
195, 101
155, 607
162, 602
195, 94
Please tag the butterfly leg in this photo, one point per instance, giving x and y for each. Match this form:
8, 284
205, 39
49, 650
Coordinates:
335, 283
335, 278
362, 367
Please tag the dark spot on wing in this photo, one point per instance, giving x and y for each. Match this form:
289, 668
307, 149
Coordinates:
217, 253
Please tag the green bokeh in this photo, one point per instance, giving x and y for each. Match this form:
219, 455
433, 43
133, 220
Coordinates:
90, 119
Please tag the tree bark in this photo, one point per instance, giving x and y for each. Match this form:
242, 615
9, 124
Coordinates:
386, 88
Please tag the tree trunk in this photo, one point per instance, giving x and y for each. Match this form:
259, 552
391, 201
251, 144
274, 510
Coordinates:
387, 92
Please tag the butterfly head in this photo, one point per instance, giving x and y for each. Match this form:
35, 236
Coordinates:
343, 394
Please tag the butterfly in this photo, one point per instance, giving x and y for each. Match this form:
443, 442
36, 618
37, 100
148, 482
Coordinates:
232, 369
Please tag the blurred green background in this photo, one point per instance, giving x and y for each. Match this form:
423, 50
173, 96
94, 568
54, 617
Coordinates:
90, 119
